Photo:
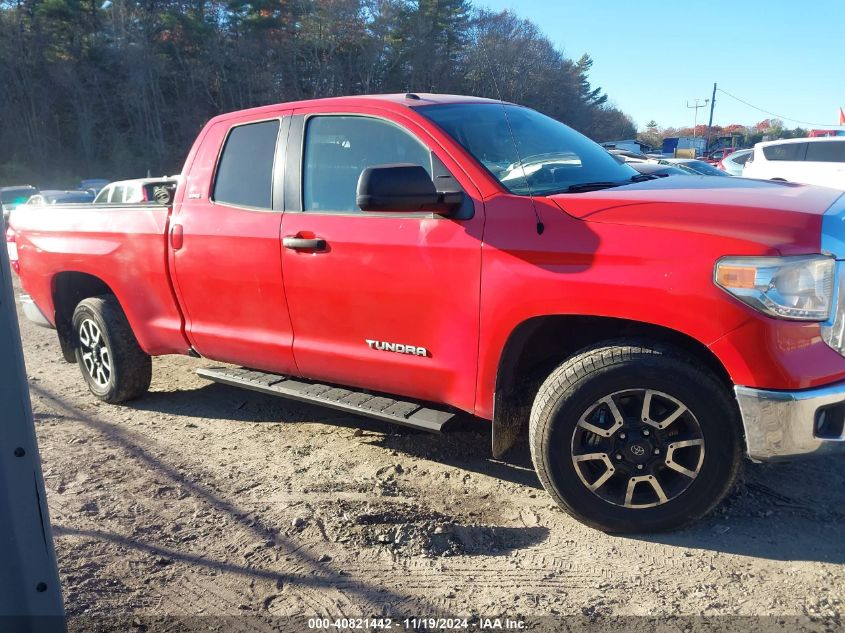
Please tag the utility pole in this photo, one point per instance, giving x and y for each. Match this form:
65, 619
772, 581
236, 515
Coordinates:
697, 106
710, 122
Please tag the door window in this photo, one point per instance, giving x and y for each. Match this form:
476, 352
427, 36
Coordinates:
785, 151
245, 170
339, 148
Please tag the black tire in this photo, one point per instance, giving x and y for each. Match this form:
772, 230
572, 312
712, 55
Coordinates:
624, 369
114, 366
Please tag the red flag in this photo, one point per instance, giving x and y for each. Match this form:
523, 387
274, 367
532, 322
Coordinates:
841, 117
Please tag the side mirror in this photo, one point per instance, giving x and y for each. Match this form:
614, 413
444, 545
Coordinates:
403, 188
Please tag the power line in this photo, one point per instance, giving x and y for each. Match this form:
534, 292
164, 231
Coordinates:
779, 116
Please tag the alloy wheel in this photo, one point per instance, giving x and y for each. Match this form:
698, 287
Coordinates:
637, 448
95, 353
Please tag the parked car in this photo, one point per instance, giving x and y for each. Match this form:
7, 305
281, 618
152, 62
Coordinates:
812, 161
631, 145
12, 197
718, 154
137, 191
692, 165
628, 156
733, 163
93, 185
407, 257
53, 196
656, 169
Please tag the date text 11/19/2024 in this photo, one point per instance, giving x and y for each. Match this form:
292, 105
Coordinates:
482, 624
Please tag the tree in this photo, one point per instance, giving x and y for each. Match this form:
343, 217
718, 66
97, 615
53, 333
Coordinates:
651, 136
121, 87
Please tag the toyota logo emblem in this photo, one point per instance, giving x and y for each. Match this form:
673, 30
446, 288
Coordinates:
638, 450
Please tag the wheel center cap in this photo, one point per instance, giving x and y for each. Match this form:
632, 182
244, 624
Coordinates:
638, 452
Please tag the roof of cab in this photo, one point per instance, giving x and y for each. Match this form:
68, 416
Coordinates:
389, 101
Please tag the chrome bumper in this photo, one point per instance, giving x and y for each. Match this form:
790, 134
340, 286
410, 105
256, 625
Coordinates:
788, 424
33, 312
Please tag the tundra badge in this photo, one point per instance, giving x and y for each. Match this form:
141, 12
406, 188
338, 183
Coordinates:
399, 348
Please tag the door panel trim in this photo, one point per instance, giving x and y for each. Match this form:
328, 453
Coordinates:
293, 165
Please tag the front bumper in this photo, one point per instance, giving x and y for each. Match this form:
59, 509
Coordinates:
32, 312
788, 424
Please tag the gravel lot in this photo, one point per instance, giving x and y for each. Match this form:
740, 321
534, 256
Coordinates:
201, 499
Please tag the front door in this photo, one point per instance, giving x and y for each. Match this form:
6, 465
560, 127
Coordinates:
384, 301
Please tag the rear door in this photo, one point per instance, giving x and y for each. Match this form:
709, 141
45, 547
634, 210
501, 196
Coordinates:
785, 161
225, 249
825, 163
391, 302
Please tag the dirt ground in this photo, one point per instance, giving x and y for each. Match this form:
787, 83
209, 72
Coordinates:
206, 500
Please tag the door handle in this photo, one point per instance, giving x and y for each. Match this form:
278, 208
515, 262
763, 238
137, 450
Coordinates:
304, 243
176, 238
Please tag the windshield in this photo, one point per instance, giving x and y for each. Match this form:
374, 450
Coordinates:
527, 152
17, 196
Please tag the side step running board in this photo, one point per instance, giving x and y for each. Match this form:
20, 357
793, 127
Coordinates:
379, 407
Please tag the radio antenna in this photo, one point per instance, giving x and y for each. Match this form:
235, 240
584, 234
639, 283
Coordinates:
540, 226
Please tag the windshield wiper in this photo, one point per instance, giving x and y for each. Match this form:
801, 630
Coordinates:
644, 177
601, 184
590, 186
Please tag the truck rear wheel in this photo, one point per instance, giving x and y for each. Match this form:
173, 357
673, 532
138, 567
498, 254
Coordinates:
630, 436
112, 363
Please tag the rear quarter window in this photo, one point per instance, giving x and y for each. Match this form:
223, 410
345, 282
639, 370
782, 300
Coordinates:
785, 151
245, 170
827, 152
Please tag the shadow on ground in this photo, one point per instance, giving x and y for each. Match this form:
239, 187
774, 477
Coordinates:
316, 572
465, 444
781, 511
788, 512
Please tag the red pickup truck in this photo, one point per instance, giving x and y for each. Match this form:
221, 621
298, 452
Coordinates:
410, 257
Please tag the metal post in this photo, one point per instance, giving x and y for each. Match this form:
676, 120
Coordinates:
30, 593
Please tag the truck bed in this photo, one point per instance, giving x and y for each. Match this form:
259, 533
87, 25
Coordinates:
120, 244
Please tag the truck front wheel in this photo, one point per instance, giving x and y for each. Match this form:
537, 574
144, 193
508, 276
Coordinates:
631, 436
112, 363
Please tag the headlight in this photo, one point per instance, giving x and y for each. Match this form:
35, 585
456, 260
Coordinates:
799, 288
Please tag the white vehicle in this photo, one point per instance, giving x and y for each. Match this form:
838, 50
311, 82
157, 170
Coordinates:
812, 161
732, 164
630, 146
138, 191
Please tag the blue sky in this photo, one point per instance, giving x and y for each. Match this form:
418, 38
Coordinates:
653, 57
